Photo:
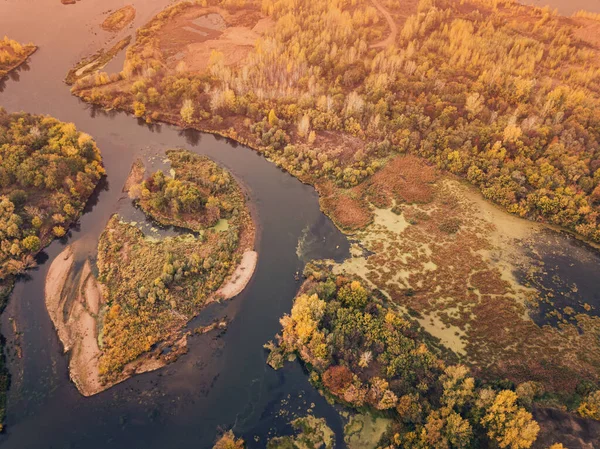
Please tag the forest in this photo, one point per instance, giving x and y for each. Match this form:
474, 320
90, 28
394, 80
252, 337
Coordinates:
48, 171
364, 354
13, 54
173, 278
498, 93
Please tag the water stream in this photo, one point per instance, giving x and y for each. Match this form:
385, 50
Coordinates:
223, 381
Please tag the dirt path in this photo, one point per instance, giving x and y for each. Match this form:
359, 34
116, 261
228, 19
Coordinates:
391, 39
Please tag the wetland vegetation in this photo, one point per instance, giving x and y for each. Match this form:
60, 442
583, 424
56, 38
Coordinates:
119, 19
410, 119
319, 79
363, 353
310, 433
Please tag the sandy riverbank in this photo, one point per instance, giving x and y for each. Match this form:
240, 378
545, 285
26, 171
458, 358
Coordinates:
74, 301
240, 277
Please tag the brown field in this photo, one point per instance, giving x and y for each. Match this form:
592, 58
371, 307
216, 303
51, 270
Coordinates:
191, 37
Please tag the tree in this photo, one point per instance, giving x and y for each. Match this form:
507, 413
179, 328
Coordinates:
31, 243
353, 295
458, 387
590, 406
139, 109
304, 126
187, 111
229, 441
273, 120
507, 424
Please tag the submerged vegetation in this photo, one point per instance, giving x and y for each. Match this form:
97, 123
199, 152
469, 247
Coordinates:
149, 301
311, 433
48, 171
13, 54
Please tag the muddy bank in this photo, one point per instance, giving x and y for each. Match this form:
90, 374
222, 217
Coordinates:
75, 301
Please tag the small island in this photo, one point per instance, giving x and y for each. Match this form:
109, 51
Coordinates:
48, 171
122, 322
119, 19
13, 54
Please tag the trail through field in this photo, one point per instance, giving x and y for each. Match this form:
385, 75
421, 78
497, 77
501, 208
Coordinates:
393, 27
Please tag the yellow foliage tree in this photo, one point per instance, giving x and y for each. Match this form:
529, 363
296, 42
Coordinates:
509, 425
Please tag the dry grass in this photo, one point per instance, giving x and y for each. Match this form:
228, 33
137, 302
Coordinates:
345, 207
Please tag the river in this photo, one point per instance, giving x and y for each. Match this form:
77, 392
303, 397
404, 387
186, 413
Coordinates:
223, 381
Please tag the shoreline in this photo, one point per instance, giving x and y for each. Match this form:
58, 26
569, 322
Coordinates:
240, 277
226, 133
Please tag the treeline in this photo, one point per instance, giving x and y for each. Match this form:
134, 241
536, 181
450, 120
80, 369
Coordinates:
365, 355
508, 104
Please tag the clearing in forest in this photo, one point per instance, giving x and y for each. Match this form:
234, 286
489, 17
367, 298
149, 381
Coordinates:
192, 37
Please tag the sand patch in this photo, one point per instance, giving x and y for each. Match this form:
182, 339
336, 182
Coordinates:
240, 277
391, 39
135, 177
192, 36
74, 312
74, 300
55, 282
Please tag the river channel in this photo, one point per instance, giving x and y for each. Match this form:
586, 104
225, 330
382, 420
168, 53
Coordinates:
223, 381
